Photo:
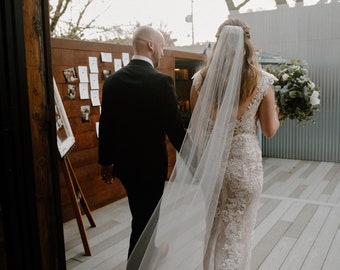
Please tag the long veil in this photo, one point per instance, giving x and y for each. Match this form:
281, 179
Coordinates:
184, 216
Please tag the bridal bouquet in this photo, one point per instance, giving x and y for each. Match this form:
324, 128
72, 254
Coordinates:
296, 95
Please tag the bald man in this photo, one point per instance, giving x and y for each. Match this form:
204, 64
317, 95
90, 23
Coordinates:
139, 108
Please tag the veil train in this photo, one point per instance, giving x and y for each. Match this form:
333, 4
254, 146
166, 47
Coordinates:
177, 234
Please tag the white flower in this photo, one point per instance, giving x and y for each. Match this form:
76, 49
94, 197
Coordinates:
285, 77
314, 98
311, 85
302, 79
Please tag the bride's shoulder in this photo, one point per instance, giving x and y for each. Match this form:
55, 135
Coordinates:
197, 80
267, 78
266, 81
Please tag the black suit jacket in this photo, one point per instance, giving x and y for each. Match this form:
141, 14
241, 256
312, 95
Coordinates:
139, 108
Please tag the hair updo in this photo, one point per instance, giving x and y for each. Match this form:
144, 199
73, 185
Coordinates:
234, 22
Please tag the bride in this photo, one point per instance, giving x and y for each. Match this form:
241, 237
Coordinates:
207, 214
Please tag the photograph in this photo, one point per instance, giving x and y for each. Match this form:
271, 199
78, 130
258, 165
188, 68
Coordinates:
106, 73
71, 91
85, 113
70, 75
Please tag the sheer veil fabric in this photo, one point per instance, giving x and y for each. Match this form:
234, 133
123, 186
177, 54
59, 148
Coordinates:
184, 216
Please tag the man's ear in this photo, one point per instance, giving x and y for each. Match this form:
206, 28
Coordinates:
150, 45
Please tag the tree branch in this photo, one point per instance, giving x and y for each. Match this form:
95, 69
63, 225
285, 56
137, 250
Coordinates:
59, 11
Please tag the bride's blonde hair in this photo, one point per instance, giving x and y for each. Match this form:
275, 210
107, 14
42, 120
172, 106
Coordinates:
250, 69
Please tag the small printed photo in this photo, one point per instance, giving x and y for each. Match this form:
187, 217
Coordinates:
106, 73
71, 91
85, 113
70, 75
61, 133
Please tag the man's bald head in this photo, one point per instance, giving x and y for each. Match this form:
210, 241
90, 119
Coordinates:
144, 34
148, 42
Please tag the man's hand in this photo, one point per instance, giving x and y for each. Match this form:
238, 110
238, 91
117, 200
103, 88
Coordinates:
106, 174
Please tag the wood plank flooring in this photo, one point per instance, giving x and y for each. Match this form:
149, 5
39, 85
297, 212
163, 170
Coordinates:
298, 223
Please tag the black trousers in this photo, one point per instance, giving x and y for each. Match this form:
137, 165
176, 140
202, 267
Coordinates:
144, 195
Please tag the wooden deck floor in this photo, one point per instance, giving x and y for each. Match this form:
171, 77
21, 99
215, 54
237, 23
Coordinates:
298, 223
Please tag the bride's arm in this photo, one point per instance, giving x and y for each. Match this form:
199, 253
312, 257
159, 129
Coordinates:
193, 97
269, 115
195, 89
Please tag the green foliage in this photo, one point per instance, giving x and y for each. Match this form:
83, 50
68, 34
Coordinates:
296, 95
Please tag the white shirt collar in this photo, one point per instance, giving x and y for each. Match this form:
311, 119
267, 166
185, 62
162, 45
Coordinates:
141, 57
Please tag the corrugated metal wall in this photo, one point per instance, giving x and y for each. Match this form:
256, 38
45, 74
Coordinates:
310, 33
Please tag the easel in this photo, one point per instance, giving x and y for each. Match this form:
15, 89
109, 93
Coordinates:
77, 200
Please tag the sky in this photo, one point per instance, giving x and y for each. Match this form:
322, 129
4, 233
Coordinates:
207, 15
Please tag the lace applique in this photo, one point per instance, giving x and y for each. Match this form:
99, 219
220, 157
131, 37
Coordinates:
248, 121
197, 81
268, 78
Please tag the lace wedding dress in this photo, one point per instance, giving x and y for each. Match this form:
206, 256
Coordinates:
229, 244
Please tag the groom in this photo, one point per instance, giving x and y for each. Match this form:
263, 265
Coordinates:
139, 108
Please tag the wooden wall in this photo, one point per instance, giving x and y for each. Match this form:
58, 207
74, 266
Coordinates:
70, 53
